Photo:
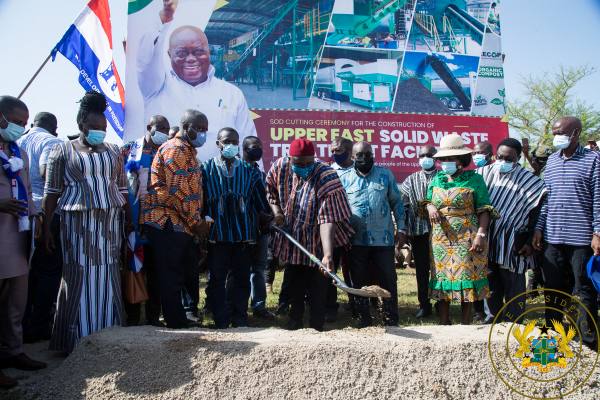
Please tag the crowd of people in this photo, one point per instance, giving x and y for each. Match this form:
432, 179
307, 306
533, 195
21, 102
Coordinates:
69, 209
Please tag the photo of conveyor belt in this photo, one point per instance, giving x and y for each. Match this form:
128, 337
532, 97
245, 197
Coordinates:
436, 83
449, 26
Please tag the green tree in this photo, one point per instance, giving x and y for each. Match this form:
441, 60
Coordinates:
548, 98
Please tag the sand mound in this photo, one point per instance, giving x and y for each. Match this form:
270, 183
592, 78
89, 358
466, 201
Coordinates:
426, 362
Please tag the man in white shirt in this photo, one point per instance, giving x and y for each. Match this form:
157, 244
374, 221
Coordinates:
189, 82
46, 267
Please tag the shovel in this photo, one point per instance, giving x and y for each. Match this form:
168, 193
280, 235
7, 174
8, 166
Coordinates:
365, 291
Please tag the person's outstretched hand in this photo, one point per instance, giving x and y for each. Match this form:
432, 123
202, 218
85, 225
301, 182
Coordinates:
168, 11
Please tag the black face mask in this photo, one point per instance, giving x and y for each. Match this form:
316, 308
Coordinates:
364, 164
254, 154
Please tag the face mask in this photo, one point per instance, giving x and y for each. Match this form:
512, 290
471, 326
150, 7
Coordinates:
303, 172
561, 142
95, 137
426, 162
200, 139
479, 160
340, 158
449, 167
12, 132
363, 165
230, 150
159, 138
504, 166
254, 154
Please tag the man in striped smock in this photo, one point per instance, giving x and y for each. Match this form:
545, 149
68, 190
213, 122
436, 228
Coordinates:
516, 194
234, 197
569, 222
308, 199
414, 190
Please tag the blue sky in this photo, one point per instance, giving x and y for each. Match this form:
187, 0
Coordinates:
538, 36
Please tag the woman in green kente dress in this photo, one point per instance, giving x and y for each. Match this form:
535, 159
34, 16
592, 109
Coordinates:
459, 209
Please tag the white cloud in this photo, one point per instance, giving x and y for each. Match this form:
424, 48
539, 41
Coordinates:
453, 67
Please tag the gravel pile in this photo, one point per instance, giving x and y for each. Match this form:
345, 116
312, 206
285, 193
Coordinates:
425, 362
412, 96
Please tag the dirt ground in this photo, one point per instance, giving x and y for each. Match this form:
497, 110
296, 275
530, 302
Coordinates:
422, 362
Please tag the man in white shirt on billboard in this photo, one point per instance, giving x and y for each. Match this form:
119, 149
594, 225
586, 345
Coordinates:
189, 82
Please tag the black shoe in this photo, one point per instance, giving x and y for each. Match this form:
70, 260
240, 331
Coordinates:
478, 317
22, 362
239, 324
423, 312
293, 325
264, 314
193, 316
156, 323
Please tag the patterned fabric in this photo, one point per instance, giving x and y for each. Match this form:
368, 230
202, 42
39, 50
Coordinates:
306, 204
86, 181
38, 144
374, 198
233, 200
90, 293
414, 190
457, 274
514, 195
572, 213
175, 191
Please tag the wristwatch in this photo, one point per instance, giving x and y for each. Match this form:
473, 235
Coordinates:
481, 234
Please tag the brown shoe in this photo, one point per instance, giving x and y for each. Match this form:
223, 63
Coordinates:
25, 363
6, 382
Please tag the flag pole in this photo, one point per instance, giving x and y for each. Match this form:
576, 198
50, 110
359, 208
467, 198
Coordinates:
34, 76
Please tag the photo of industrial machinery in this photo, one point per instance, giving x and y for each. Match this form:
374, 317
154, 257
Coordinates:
356, 79
449, 26
436, 83
269, 48
380, 24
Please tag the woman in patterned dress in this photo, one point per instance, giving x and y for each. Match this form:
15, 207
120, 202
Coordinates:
87, 176
459, 209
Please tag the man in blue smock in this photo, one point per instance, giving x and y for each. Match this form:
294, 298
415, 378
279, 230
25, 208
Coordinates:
374, 198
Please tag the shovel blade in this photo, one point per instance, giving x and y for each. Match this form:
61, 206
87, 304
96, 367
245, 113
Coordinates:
367, 291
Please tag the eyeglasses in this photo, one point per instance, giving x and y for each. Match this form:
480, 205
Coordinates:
196, 52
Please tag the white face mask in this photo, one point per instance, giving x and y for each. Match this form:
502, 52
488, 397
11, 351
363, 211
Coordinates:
426, 163
449, 167
561, 142
504, 166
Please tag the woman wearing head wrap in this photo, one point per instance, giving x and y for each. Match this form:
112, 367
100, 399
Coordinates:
85, 181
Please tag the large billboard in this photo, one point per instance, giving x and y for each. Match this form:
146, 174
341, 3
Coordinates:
236, 60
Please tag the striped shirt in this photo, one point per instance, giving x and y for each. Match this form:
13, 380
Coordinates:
414, 191
175, 191
86, 181
320, 199
233, 200
514, 195
38, 144
572, 213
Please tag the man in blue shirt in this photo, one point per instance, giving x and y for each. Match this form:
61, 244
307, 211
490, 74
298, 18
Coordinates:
46, 267
374, 197
572, 177
234, 197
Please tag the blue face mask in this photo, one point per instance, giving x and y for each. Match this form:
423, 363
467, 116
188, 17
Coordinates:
230, 150
449, 167
159, 138
504, 166
479, 160
303, 172
95, 137
12, 132
426, 163
200, 139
